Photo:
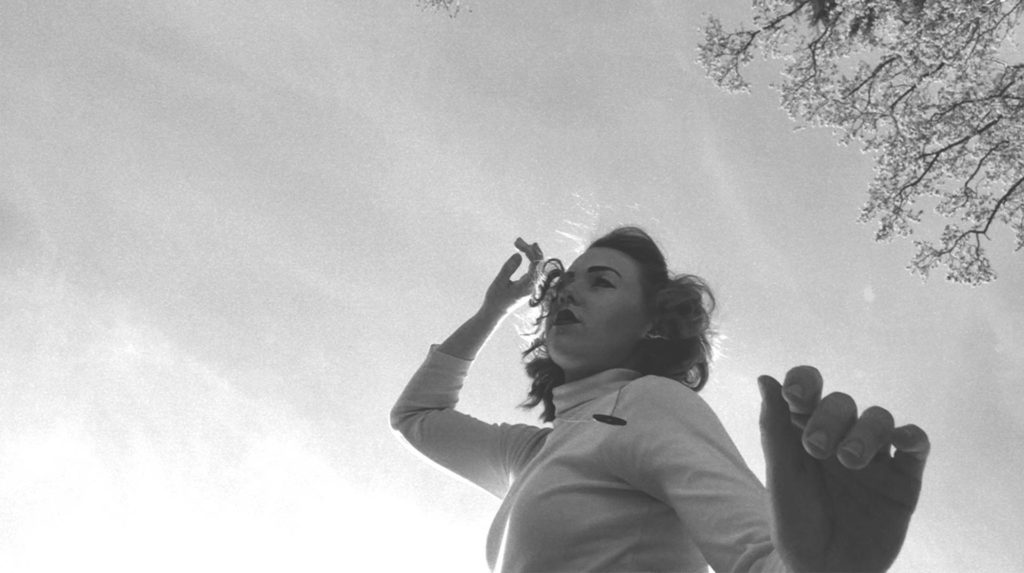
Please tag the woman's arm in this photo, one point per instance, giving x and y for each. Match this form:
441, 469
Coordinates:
468, 339
425, 416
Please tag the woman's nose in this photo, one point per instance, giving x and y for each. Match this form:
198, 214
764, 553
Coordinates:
565, 294
562, 298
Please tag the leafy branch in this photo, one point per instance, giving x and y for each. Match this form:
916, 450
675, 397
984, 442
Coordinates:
930, 97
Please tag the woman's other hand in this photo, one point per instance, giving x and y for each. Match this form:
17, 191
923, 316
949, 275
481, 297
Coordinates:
505, 295
840, 501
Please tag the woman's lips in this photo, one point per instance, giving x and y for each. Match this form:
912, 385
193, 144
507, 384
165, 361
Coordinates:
566, 316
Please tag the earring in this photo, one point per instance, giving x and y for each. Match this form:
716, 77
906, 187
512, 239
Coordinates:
651, 335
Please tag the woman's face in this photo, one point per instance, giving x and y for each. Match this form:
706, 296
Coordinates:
602, 289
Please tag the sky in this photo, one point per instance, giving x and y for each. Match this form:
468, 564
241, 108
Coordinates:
229, 233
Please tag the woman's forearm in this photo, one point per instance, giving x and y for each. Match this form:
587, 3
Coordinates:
467, 340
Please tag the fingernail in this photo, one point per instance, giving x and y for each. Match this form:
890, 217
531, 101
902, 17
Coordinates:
795, 392
818, 439
853, 448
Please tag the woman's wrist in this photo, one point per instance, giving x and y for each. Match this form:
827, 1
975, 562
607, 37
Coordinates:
491, 316
469, 338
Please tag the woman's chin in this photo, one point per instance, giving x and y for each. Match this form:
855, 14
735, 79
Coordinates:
555, 356
562, 360
567, 351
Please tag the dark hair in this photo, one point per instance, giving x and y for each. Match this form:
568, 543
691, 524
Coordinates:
681, 304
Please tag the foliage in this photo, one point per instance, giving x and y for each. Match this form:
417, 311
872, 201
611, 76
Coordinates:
452, 7
929, 94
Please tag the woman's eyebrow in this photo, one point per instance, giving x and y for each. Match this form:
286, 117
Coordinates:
595, 269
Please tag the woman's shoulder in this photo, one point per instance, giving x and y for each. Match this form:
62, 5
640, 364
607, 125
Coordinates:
654, 394
662, 415
654, 387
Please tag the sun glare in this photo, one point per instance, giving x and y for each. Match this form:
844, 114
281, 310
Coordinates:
284, 507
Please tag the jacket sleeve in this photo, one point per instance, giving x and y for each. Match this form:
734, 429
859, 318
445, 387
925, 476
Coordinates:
488, 455
675, 449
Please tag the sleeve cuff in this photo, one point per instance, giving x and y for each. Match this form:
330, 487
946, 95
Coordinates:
442, 359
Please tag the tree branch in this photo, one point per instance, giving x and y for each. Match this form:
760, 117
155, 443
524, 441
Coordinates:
998, 95
775, 23
999, 204
979, 232
981, 163
962, 140
874, 73
892, 106
901, 192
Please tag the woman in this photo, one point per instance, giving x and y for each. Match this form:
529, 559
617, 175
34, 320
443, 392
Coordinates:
637, 472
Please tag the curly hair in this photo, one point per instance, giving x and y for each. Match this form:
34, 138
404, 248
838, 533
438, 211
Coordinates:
681, 304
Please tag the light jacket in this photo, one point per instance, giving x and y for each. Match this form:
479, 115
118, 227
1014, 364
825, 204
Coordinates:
666, 491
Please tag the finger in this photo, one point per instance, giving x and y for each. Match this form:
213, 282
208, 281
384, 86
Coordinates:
779, 439
531, 272
830, 422
532, 252
802, 391
912, 449
789, 477
510, 266
871, 435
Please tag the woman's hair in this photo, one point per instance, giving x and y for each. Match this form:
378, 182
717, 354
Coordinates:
681, 306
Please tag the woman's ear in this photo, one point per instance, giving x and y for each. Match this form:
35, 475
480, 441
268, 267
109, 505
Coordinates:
652, 332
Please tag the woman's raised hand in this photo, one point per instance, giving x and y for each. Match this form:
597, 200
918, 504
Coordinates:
505, 295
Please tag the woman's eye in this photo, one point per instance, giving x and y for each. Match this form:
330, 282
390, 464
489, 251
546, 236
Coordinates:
603, 282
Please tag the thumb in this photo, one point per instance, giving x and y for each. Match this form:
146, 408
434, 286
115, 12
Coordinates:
510, 266
780, 439
795, 488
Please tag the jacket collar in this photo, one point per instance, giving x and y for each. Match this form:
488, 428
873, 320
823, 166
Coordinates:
569, 398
